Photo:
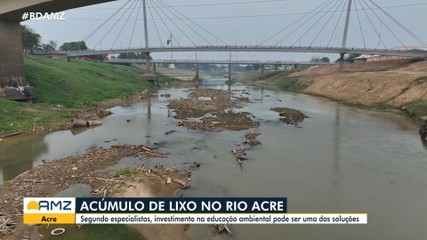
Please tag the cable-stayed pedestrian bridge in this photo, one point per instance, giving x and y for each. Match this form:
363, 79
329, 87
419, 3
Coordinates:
280, 49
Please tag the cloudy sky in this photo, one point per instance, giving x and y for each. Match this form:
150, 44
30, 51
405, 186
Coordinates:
242, 22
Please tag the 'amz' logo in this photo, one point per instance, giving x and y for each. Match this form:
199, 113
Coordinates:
50, 205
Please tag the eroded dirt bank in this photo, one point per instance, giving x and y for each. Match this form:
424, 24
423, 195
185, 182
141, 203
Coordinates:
392, 83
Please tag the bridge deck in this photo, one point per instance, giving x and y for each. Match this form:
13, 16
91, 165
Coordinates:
405, 53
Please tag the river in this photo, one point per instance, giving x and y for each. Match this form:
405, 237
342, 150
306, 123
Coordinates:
343, 159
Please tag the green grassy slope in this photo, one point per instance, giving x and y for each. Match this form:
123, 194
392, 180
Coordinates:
80, 82
71, 85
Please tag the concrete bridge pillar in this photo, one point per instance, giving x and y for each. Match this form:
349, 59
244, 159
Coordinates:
154, 67
262, 72
229, 72
197, 77
11, 55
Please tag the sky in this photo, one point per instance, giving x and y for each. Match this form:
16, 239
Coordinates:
241, 22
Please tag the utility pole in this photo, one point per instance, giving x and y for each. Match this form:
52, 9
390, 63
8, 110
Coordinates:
147, 50
344, 38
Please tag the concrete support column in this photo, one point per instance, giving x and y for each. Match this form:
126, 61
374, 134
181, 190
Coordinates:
154, 67
147, 61
229, 72
11, 55
341, 61
197, 77
262, 71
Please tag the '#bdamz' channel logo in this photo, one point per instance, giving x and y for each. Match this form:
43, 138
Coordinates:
49, 210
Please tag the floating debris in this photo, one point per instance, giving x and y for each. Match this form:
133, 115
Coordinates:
222, 121
169, 132
130, 119
222, 228
165, 95
57, 231
111, 140
77, 122
250, 139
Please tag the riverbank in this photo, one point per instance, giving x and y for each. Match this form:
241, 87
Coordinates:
381, 85
66, 89
89, 168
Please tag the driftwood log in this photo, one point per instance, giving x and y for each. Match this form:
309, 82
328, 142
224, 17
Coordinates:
77, 122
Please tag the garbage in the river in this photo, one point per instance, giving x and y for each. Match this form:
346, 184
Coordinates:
57, 231
250, 139
6, 224
222, 228
170, 131
77, 122
198, 113
289, 115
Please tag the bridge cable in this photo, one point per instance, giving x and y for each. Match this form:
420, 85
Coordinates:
332, 15
173, 22
373, 26
124, 25
400, 24
242, 3
336, 24
228, 3
394, 35
198, 25
241, 16
291, 24
360, 25
316, 22
299, 26
170, 19
112, 27
134, 24
106, 21
191, 28
155, 25
164, 23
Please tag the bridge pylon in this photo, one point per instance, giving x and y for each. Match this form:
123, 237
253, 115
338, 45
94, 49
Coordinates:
345, 34
147, 46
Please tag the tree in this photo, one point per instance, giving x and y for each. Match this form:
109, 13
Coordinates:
53, 44
49, 47
325, 59
73, 46
315, 59
30, 38
320, 60
352, 56
256, 67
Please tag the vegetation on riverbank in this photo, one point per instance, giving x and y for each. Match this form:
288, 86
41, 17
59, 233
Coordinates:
16, 116
416, 108
65, 88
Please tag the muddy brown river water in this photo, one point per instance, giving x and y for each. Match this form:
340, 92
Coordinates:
343, 159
